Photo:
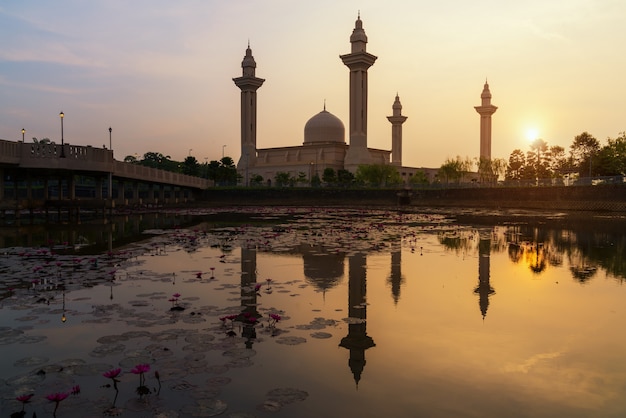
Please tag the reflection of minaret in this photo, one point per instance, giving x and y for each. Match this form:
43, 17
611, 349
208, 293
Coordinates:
396, 132
358, 61
357, 340
486, 109
395, 278
484, 289
248, 294
248, 83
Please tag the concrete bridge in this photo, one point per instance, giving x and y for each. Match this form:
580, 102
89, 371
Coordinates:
42, 175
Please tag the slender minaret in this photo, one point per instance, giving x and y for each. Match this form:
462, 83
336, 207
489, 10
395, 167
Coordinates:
248, 83
396, 132
484, 289
485, 110
357, 340
358, 61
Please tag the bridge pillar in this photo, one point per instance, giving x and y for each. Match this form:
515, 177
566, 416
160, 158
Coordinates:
161, 194
99, 191
1, 184
120, 192
71, 187
29, 186
135, 198
46, 191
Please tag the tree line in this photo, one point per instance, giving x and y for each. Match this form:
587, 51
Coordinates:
222, 172
586, 158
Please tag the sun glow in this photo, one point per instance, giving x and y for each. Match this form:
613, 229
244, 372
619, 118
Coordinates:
532, 134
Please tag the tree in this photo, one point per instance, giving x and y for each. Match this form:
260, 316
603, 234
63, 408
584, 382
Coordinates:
160, 161
489, 170
315, 180
256, 180
344, 177
190, 166
328, 176
583, 150
282, 179
378, 175
131, 159
42, 141
302, 178
612, 157
419, 178
557, 161
538, 155
517, 162
453, 170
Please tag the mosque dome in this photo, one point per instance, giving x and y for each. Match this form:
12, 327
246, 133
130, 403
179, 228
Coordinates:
324, 127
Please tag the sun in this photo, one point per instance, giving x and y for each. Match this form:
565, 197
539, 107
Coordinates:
532, 134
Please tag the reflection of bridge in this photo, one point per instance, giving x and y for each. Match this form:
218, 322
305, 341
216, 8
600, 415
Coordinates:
36, 175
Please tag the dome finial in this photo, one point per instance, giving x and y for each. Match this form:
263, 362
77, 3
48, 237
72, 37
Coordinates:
324, 105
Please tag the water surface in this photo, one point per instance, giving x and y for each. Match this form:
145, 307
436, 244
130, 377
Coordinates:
328, 312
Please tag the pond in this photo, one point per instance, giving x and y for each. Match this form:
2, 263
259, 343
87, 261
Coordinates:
285, 312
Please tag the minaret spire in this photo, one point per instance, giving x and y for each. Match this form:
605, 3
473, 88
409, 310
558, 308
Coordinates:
358, 61
248, 83
485, 110
396, 132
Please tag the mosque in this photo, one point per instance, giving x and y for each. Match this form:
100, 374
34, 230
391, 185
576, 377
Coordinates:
324, 143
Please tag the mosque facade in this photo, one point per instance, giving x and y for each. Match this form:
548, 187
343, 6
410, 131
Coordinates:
324, 144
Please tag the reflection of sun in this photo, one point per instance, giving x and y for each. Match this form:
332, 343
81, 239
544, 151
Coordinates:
532, 134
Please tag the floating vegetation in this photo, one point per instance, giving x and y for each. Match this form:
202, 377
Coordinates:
290, 340
206, 408
31, 361
321, 335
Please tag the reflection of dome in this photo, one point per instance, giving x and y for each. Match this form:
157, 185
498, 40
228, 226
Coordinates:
324, 127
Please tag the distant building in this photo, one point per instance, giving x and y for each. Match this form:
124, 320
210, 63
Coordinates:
324, 144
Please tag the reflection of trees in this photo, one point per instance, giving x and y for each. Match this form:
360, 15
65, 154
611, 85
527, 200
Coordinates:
587, 246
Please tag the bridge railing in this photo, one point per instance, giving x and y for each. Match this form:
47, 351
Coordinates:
140, 172
9, 152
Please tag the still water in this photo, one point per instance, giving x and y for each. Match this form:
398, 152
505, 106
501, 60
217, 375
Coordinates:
291, 312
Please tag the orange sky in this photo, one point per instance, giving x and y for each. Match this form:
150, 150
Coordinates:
160, 73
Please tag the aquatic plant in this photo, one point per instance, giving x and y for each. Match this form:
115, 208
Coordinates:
141, 369
57, 398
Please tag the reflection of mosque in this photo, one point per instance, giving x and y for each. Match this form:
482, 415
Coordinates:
324, 270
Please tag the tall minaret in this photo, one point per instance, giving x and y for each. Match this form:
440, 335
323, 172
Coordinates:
358, 61
248, 83
396, 132
486, 109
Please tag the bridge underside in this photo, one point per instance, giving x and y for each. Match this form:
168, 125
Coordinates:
38, 188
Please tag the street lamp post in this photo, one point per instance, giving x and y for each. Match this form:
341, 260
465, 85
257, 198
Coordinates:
62, 155
111, 171
223, 146
23, 132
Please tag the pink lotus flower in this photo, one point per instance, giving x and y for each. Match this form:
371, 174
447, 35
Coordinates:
57, 398
24, 399
75, 390
275, 317
112, 374
140, 369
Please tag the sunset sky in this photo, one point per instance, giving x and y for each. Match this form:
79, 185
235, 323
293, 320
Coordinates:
160, 72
